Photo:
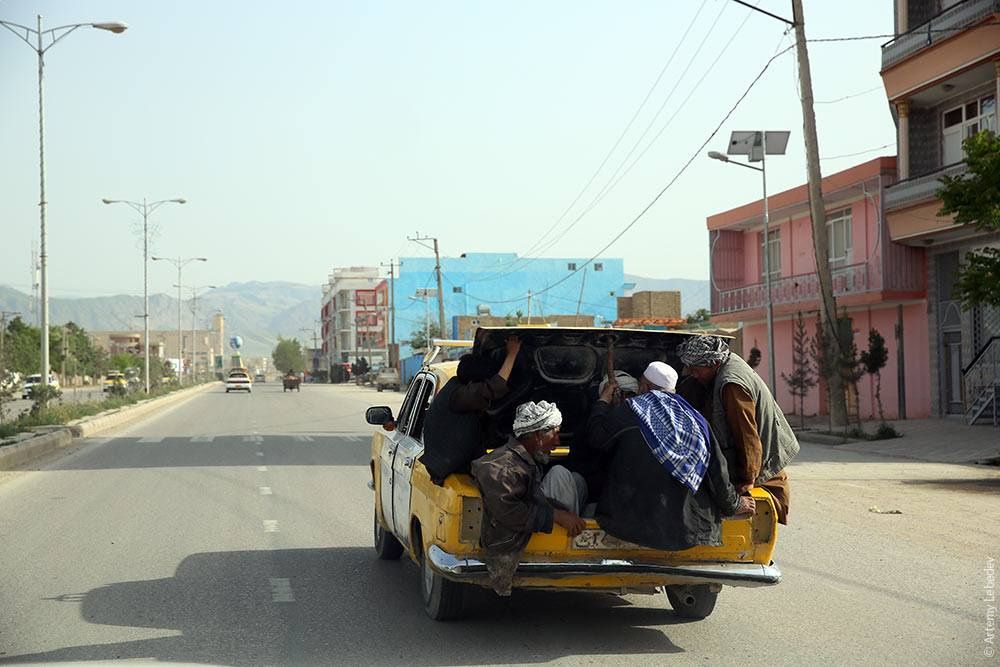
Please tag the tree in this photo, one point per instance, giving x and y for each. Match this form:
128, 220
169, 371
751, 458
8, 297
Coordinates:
850, 367
874, 359
700, 317
287, 355
802, 377
974, 199
418, 340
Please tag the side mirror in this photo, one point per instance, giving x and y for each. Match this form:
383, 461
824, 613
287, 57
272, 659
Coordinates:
379, 415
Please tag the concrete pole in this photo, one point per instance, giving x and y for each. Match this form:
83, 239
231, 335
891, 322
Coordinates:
145, 290
437, 270
767, 269
903, 139
43, 256
828, 305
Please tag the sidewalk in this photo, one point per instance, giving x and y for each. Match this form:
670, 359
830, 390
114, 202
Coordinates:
944, 440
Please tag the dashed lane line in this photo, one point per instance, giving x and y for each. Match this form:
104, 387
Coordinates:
270, 526
203, 438
261, 468
281, 590
150, 440
265, 491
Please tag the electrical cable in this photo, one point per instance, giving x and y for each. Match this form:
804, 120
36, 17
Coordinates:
665, 188
847, 97
870, 150
526, 255
612, 185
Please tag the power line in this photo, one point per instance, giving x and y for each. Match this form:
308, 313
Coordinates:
525, 256
669, 184
870, 150
916, 31
613, 181
847, 97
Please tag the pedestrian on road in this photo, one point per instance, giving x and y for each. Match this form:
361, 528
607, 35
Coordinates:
754, 435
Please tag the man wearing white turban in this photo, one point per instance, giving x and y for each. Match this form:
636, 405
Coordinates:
519, 498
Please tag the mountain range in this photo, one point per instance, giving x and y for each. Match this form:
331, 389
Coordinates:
257, 311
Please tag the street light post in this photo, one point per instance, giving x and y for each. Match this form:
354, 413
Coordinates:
180, 263
754, 146
55, 34
145, 210
194, 328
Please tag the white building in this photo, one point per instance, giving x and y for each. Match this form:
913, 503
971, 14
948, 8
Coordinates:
354, 315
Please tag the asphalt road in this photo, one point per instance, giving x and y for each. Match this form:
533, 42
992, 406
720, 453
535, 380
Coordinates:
236, 529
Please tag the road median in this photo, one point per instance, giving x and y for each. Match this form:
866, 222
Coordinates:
20, 449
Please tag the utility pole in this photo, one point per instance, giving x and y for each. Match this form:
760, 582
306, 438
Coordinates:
392, 299
817, 210
437, 271
529, 307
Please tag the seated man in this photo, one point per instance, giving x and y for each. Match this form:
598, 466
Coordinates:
455, 431
667, 483
518, 499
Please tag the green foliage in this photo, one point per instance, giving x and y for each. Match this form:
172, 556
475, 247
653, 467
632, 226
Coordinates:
873, 360
886, 432
974, 199
802, 377
287, 355
699, 317
417, 339
41, 394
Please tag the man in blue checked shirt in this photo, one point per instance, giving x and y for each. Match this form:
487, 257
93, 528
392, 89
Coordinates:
667, 485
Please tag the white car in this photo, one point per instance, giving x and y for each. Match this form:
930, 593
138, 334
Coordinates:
32, 380
238, 382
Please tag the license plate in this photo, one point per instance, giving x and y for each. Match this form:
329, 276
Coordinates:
599, 539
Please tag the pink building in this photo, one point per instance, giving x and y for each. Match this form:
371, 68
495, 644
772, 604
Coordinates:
880, 284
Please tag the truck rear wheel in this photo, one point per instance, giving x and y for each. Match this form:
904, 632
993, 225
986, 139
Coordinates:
443, 599
692, 601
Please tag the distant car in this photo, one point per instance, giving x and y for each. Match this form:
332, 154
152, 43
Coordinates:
387, 378
259, 378
238, 381
37, 379
291, 381
115, 382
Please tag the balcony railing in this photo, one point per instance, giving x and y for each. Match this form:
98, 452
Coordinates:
920, 188
853, 279
941, 27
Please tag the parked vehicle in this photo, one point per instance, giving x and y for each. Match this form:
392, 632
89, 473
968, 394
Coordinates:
438, 526
291, 381
115, 382
387, 378
32, 380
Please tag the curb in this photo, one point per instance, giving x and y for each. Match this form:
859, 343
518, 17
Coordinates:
823, 439
51, 438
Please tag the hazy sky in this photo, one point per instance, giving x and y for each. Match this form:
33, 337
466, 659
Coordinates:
308, 135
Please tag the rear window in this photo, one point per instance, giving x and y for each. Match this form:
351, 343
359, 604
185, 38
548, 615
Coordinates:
564, 364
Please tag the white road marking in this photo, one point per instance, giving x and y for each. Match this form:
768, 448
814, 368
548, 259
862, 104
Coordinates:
281, 591
266, 491
260, 453
304, 438
252, 438
354, 438
270, 526
261, 468
203, 438
151, 439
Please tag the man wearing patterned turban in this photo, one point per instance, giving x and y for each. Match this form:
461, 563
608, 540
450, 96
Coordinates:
754, 435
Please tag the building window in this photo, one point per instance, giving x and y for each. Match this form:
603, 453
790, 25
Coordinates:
598, 266
456, 290
838, 229
965, 121
571, 266
774, 254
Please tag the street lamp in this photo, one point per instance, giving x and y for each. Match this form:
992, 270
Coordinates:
39, 47
145, 209
180, 263
756, 145
194, 327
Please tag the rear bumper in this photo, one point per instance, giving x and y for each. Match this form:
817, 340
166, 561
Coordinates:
726, 574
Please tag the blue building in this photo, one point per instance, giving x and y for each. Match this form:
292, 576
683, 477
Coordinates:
501, 282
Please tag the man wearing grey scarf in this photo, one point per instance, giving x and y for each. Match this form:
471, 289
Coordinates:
755, 437
519, 497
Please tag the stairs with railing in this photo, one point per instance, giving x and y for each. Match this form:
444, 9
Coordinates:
982, 385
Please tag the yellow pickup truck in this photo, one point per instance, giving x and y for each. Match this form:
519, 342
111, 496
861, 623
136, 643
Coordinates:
438, 526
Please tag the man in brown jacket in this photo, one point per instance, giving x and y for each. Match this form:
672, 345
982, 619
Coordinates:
519, 498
